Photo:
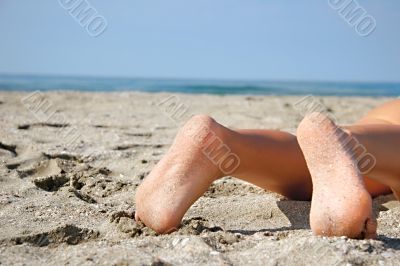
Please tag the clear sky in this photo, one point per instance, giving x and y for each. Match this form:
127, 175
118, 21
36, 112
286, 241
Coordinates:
224, 39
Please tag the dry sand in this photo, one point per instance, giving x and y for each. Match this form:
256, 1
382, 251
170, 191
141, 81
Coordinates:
70, 164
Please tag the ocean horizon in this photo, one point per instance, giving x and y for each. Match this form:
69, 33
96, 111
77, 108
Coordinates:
197, 86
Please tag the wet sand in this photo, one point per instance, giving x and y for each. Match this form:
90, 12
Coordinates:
70, 164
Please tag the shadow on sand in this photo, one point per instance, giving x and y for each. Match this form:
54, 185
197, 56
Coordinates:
298, 213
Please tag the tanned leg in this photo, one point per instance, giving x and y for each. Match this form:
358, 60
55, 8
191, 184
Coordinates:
337, 158
270, 159
379, 132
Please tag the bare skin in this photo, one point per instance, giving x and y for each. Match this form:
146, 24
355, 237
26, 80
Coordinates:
339, 190
187, 171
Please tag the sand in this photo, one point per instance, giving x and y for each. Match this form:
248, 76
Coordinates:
70, 164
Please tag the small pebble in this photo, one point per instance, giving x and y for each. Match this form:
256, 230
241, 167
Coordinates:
364, 246
184, 241
175, 241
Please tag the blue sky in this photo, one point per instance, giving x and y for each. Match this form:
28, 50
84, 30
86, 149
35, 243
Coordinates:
223, 39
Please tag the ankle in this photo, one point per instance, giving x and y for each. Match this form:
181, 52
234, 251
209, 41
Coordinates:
213, 141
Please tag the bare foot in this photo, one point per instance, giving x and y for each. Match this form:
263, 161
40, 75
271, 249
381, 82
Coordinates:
179, 179
341, 206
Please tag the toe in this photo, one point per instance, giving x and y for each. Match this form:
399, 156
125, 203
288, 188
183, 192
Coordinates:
370, 228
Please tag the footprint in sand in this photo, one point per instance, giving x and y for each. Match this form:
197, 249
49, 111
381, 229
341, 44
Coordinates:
23, 159
69, 234
53, 171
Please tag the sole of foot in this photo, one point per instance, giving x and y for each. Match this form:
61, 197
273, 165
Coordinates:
341, 205
179, 179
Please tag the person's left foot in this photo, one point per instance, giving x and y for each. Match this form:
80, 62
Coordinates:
341, 205
179, 179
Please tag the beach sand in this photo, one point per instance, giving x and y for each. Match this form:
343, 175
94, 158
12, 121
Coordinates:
70, 164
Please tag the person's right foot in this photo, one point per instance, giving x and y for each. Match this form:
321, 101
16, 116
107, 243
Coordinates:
341, 205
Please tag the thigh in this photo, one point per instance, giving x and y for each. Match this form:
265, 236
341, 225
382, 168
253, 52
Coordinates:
387, 113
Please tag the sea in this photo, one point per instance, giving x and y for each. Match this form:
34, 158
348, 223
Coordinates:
197, 86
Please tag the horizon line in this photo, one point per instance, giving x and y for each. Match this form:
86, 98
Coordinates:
223, 79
